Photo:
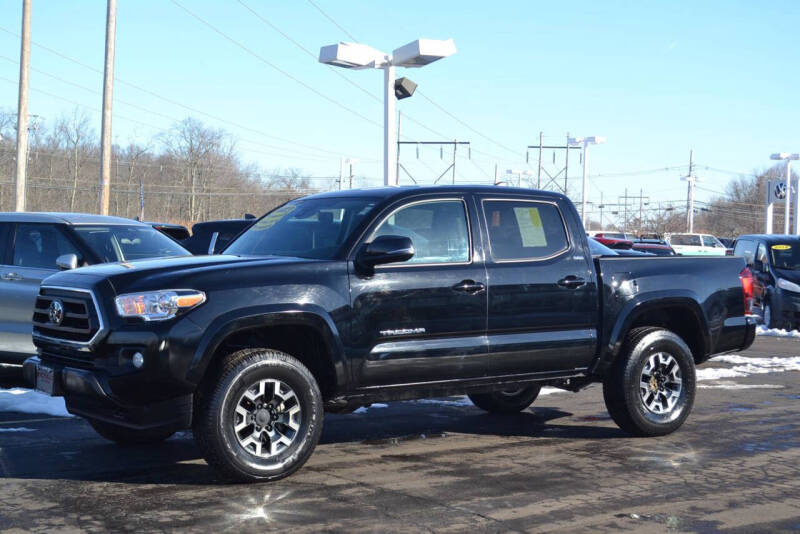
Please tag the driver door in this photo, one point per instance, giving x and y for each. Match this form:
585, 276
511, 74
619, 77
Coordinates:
422, 320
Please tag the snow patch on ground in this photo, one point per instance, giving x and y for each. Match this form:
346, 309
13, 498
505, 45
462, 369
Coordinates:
744, 366
733, 385
20, 429
29, 401
776, 332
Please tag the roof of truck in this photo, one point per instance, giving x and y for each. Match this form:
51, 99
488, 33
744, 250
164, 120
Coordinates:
411, 190
64, 218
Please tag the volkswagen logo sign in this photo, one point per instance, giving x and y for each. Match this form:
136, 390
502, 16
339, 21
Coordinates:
56, 312
780, 190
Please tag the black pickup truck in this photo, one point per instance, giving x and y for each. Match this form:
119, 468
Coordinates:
342, 299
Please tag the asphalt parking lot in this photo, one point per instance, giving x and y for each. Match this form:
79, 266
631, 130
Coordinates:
441, 466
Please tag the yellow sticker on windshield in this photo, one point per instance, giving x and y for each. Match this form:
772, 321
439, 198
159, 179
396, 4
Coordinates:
781, 247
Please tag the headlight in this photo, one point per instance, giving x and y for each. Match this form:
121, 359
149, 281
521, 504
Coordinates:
788, 286
159, 305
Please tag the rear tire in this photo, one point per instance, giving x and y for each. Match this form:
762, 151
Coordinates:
512, 401
261, 419
129, 436
650, 389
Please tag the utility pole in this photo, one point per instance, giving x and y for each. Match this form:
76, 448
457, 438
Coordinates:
455, 146
22, 105
625, 222
690, 195
539, 172
108, 95
397, 156
601, 210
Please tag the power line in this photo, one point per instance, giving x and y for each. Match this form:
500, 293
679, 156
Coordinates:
272, 65
181, 104
350, 35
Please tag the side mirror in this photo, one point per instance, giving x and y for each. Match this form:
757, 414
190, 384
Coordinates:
66, 262
385, 249
212, 245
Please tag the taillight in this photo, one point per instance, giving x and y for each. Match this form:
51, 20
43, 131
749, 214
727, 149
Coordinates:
746, 276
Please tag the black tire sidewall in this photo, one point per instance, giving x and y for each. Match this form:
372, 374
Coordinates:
245, 375
647, 421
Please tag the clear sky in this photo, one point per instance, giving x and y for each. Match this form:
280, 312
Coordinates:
655, 78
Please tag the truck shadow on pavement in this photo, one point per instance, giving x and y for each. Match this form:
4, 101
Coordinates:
71, 451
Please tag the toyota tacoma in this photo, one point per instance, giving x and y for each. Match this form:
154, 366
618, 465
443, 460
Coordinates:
339, 300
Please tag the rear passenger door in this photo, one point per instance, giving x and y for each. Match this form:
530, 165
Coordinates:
31, 258
542, 300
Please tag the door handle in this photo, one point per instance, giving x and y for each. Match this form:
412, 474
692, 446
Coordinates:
571, 282
10, 276
469, 286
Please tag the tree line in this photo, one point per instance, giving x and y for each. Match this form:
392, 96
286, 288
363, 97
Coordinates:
188, 173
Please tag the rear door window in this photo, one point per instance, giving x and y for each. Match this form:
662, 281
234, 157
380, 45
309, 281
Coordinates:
685, 240
38, 245
710, 241
524, 230
5, 257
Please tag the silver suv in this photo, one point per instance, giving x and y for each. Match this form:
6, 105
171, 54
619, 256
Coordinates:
35, 245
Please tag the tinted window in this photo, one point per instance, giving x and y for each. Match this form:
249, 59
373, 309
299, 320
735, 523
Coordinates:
685, 240
128, 243
745, 249
438, 230
4, 248
711, 241
524, 230
305, 228
38, 246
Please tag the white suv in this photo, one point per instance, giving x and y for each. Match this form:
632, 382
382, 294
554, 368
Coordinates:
696, 244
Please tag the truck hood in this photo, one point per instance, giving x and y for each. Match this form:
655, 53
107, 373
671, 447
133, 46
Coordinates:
185, 272
787, 274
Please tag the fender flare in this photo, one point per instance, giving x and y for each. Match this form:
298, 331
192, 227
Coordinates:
638, 306
265, 316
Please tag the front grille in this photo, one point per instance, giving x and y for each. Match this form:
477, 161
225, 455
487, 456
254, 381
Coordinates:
80, 320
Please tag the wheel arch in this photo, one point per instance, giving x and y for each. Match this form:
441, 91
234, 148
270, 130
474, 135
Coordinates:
305, 332
681, 314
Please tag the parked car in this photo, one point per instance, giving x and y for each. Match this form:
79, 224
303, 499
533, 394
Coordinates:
614, 243
611, 234
775, 262
35, 245
621, 248
178, 232
653, 246
342, 299
211, 237
696, 244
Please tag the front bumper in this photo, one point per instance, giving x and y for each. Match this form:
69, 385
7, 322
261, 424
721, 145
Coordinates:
87, 393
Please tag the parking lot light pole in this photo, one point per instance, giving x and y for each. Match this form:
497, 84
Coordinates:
585, 141
785, 156
413, 55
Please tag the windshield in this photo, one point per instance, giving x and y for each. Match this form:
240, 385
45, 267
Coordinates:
310, 228
128, 243
786, 256
685, 240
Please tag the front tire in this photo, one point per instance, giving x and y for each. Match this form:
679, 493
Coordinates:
650, 389
261, 419
129, 436
510, 401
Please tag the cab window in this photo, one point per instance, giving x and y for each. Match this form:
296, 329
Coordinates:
745, 249
438, 230
38, 245
524, 230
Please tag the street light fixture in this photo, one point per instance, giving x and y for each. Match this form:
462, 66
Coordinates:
788, 205
585, 141
519, 173
413, 55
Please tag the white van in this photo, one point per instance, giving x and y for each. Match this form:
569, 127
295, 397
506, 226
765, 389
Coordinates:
696, 244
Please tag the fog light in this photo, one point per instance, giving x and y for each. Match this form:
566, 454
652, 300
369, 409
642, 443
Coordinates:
137, 360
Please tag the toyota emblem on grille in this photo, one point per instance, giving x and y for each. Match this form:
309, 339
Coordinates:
56, 312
